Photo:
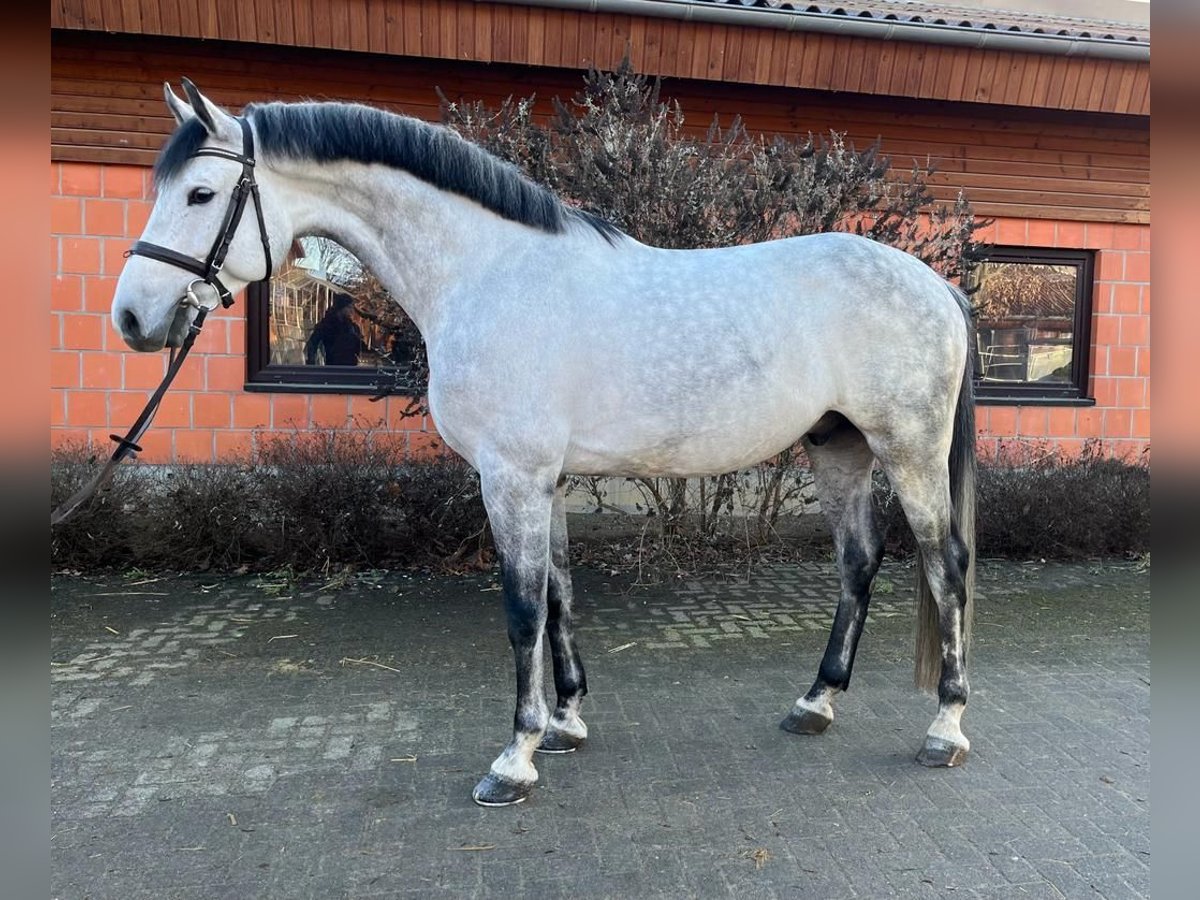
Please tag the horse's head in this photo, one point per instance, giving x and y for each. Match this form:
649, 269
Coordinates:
205, 180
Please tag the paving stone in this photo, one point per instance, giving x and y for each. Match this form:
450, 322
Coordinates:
257, 740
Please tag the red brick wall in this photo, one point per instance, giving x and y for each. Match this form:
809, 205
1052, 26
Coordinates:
98, 385
1119, 363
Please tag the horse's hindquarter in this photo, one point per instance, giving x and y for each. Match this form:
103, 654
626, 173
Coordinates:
637, 361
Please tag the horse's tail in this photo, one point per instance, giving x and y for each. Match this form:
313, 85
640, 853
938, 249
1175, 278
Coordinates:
962, 501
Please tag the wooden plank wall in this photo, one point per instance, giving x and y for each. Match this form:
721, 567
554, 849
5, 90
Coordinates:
106, 95
489, 32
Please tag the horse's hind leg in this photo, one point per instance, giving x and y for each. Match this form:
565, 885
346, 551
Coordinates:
922, 482
566, 731
841, 463
518, 506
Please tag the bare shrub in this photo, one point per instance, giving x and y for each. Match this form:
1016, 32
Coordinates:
306, 501
1034, 501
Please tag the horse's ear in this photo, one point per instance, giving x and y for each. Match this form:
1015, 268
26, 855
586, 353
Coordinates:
217, 122
180, 110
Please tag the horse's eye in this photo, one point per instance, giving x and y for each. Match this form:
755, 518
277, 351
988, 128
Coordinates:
199, 195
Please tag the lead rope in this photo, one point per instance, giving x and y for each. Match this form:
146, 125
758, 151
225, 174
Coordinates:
128, 445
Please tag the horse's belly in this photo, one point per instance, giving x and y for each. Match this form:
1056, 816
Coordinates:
732, 440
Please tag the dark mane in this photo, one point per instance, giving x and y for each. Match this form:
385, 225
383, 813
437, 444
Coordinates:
327, 132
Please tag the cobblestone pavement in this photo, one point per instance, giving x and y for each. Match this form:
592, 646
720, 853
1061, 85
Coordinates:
252, 737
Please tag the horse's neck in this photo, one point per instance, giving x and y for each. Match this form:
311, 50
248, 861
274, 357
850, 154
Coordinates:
417, 240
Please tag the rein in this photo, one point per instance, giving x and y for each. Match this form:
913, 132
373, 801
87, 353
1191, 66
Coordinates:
208, 272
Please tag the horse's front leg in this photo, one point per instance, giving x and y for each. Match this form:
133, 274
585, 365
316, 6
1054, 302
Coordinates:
566, 731
518, 506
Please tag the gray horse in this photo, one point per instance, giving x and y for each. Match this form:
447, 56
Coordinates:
559, 345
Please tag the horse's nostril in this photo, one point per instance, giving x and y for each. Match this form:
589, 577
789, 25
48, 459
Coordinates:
130, 326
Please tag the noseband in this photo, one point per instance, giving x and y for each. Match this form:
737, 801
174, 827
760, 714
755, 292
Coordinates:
210, 268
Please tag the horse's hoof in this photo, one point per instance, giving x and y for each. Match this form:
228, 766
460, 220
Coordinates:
941, 754
559, 742
808, 722
494, 791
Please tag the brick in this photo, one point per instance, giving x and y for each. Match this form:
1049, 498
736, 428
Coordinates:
1070, 235
66, 216
64, 369
175, 411
79, 256
55, 179
156, 445
80, 179
144, 371
1118, 423
58, 409
124, 407
98, 291
251, 410
211, 410
1137, 267
1129, 237
232, 445
1143, 362
137, 214
396, 418
213, 338
1146, 299
1135, 331
70, 437
125, 181
1061, 422
1131, 392
1032, 421
329, 410
224, 373
1141, 424
1111, 266
113, 254
367, 415
66, 292
1099, 235
1002, 421
82, 331
289, 411
1122, 361
104, 217
1126, 298
1105, 391
235, 326
1106, 330
193, 445
1012, 231
87, 408
1041, 233
101, 370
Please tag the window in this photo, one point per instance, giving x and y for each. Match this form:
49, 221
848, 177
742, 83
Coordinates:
323, 323
1033, 318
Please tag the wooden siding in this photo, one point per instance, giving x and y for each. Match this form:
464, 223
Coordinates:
106, 96
486, 32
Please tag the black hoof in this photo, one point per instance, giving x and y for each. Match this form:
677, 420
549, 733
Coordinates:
808, 722
493, 791
559, 742
941, 754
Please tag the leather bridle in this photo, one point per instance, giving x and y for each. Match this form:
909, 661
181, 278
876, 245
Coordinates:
208, 273
210, 268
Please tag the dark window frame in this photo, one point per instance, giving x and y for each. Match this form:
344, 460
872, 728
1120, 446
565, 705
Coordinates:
1074, 393
261, 376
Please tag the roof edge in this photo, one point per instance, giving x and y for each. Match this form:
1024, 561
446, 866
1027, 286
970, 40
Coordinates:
859, 26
